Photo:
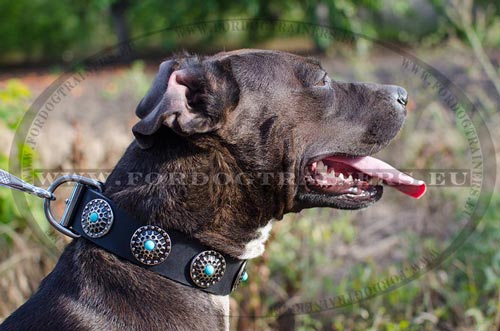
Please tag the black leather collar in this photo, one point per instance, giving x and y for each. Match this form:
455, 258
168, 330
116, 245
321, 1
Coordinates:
167, 252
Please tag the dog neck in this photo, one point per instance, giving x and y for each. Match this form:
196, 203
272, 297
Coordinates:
178, 186
213, 214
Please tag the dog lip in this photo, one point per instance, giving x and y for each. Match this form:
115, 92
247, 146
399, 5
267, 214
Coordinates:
313, 199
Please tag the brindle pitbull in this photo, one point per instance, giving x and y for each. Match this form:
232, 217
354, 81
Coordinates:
293, 137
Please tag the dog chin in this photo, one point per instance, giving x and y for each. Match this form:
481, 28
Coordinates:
311, 199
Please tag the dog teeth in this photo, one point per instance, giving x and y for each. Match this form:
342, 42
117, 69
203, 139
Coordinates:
350, 179
330, 175
322, 167
341, 176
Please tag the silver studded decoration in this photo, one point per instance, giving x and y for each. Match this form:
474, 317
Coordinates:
201, 262
239, 276
97, 218
150, 245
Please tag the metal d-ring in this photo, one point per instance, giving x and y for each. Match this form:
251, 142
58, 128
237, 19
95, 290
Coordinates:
81, 182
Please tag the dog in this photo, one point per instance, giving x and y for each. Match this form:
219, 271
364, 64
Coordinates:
293, 137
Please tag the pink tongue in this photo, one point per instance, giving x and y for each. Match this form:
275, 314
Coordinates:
391, 176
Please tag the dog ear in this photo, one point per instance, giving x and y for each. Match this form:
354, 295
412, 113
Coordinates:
174, 100
157, 89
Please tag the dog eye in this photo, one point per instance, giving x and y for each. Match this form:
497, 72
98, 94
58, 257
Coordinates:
323, 81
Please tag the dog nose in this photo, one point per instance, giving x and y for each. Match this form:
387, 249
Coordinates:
401, 95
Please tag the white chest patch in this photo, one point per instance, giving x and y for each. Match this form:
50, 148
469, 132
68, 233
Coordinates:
257, 246
223, 303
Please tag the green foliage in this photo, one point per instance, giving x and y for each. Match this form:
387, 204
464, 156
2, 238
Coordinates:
135, 79
14, 100
34, 30
43, 30
8, 211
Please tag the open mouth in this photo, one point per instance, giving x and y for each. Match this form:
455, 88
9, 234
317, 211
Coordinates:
356, 182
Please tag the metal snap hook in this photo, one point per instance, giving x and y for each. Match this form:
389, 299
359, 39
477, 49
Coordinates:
13, 182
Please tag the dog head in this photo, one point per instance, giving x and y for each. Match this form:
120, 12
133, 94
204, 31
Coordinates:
281, 113
286, 134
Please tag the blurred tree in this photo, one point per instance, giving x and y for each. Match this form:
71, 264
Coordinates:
37, 30
118, 9
41, 30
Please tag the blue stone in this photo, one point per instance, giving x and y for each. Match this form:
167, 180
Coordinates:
94, 217
209, 270
149, 245
244, 277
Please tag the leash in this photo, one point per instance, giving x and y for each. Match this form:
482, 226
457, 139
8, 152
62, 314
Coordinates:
91, 215
11, 181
